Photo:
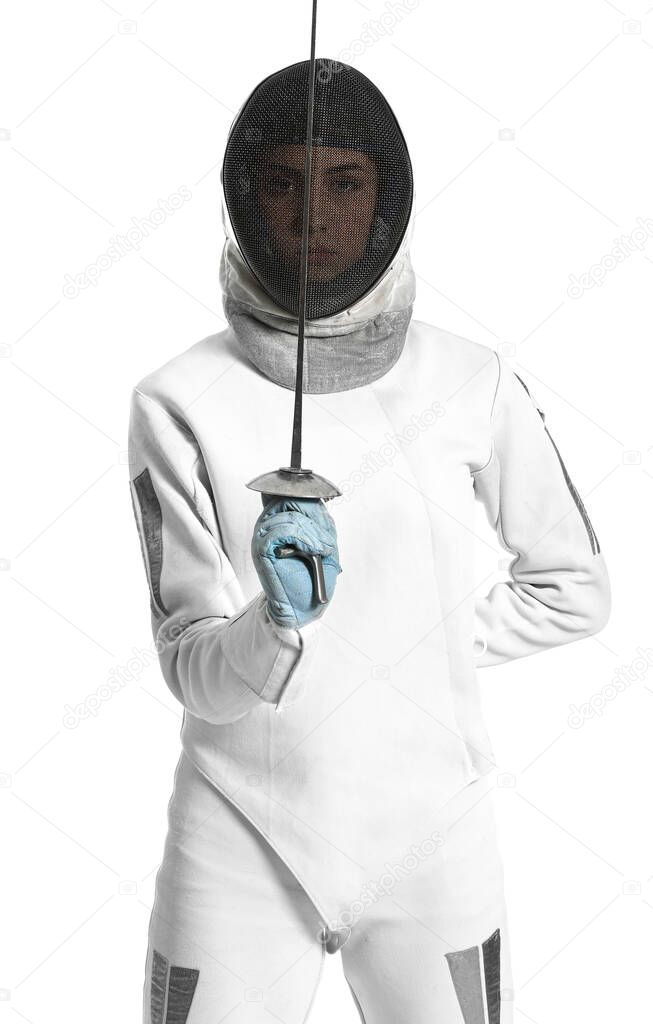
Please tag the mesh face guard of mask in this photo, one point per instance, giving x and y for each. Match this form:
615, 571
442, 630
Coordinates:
360, 194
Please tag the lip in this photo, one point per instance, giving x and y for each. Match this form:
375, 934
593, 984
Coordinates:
321, 251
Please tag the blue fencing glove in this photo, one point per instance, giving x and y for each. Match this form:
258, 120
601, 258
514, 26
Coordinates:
287, 582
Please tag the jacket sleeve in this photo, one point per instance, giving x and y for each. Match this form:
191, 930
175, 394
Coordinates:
219, 656
559, 590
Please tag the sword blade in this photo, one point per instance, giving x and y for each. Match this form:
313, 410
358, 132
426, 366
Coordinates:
296, 447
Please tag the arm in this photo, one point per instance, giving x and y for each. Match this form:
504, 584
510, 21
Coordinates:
559, 589
219, 658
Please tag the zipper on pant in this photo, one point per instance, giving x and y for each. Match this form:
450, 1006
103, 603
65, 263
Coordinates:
593, 539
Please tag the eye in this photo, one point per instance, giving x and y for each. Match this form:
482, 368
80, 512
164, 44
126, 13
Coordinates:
279, 185
344, 185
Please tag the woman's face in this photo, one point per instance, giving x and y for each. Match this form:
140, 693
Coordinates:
344, 189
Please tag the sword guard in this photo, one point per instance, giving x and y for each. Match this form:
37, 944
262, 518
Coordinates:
295, 483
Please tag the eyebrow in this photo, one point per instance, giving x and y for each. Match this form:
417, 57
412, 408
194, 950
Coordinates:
329, 170
344, 167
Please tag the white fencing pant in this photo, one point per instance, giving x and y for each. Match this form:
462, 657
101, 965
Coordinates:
233, 936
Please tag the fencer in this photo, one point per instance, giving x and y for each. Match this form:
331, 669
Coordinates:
334, 787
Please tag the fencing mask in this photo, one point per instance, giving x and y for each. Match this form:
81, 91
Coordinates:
361, 186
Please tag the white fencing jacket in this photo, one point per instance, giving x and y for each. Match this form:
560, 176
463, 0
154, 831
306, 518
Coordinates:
341, 741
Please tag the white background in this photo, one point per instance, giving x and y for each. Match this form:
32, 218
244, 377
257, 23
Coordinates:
530, 130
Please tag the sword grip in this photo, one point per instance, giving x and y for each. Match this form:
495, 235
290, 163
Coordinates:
314, 563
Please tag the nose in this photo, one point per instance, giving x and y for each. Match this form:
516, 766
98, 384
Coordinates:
319, 213
319, 208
